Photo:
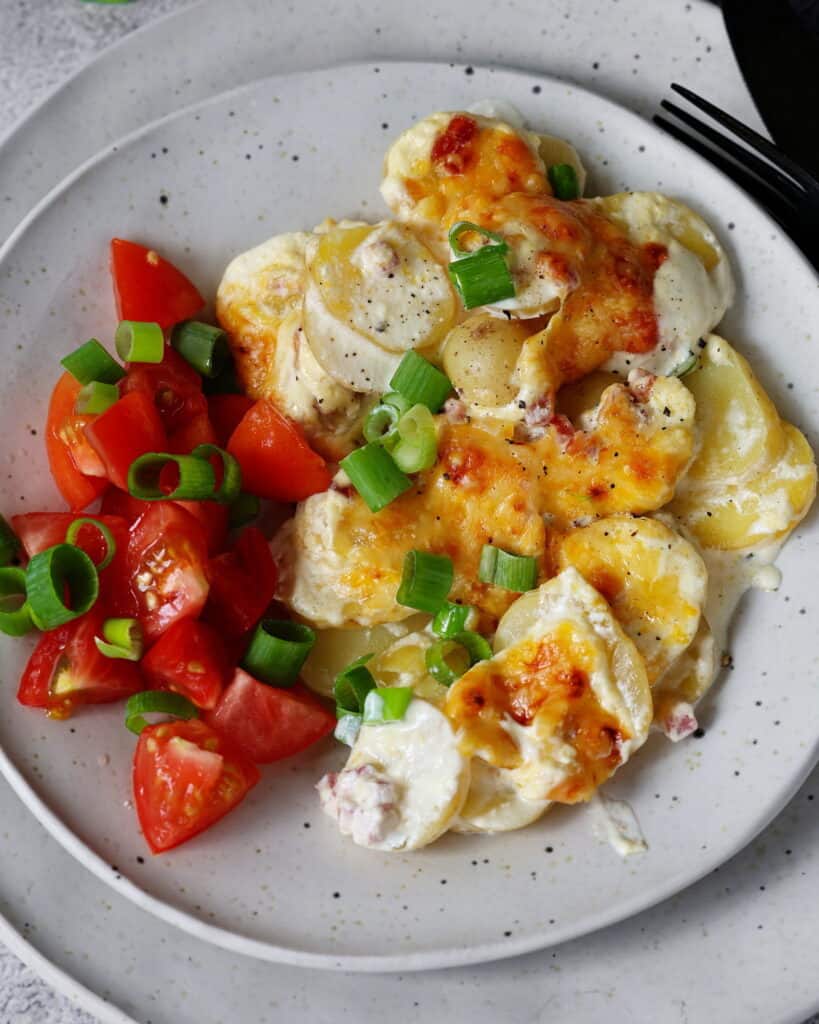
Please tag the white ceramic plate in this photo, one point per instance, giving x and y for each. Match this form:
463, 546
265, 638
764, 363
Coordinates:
274, 880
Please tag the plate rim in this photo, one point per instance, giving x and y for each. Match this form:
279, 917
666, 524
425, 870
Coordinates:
432, 959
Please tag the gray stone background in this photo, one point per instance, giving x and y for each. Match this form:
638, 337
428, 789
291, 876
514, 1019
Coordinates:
42, 42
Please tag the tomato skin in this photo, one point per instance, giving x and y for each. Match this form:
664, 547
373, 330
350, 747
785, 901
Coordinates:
196, 431
185, 778
213, 518
167, 554
242, 583
40, 530
267, 723
189, 658
173, 386
147, 287
129, 428
276, 460
88, 677
226, 412
120, 503
70, 456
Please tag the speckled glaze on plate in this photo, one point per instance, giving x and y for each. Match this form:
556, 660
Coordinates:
280, 155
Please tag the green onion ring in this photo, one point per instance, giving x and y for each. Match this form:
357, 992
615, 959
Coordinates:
156, 702
121, 638
73, 530
90, 362
138, 342
231, 484
18, 621
48, 575
426, 580
197, 479
277, 651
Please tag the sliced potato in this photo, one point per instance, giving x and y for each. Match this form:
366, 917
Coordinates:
689, 678
494, 802
740, 430
654, 581
403, 663
758, 511
480, 358
558, 151
565, 703
372, 293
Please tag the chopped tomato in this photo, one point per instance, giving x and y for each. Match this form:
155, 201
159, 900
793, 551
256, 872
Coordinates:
242, 583
173, 386
267, 723
41, 530
67, 670
213, 518
167, 554
226, 412
129, 428
276, 460
196, 431
147, 287
189, 658
186, 777
77, 469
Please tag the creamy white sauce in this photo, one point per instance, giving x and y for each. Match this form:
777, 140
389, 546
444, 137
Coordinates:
614, 822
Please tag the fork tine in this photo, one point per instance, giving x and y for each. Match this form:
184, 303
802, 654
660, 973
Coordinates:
772, 152
770, 175
768, 197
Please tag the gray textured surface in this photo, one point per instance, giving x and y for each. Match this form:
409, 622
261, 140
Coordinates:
42, 42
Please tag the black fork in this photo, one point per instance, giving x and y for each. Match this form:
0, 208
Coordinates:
776, 181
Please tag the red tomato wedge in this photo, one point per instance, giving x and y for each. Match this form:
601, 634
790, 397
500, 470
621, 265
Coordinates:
242, 583
276, 460
167, 554
67, 670
196, 431
40, 530
212, 517
189, 658
129, 428
173, 386
147, 287
226, 412
186, 777
77, 470
267, 723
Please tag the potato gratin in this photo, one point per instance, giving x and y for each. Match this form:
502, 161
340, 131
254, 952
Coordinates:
554, 480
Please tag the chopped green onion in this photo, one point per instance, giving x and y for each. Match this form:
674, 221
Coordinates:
482, 277
138, 342
351, 687
512, 572
417, 380
121, 638
15, 613
397, 401
386, 704
478, 646
9, 542
49, 574
231, 484
347, 729
277, 651
685, 367
204, 346
425, 581
96, 397
156, 702
451, 619
463, 227
196, 478
375, 476
244, 509
92, 362
417, 447
469, 647
438, 661
226, 383
73, 531
381, 425
563, 179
